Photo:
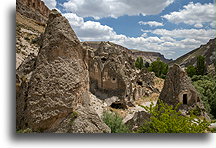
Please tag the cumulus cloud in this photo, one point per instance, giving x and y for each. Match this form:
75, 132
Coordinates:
51, 4
112, 8
199, 34
193, 14
171, 43
151, 23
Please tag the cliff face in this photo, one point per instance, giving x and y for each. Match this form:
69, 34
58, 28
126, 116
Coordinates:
59, 83
31, 19
33, 9
112, 73
150, 56
207, 50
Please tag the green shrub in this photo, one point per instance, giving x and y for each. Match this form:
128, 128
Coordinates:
73, 116
191, 70
166, 119
139, 63
114, 121
201, 67
205, 85
159, 68
28, 130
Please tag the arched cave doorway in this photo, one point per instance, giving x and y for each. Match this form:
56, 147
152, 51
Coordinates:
185, 99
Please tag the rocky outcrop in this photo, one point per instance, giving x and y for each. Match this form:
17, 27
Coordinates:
134, 54
179, 89
149, 56
138, 119
59, 84
84, 120
112, 74
23, 76
34, 9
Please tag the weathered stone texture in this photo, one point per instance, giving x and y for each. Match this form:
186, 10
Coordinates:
178, 88
176, 85
34, 9
60, 79
23, 76
85, 120
112, 73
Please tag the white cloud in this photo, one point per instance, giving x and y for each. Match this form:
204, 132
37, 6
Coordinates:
193, 14
74, 20
112, 8
151, 23
51, 4
198, 34
171, 43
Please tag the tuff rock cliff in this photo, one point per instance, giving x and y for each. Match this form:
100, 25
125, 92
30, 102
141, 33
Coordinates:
58, 86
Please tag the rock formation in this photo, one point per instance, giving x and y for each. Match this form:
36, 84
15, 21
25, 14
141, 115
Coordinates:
178, 88
34, 9
59, 84
149, 56
112, 74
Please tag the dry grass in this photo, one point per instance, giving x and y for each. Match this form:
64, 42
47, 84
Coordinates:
151, 98
122, 113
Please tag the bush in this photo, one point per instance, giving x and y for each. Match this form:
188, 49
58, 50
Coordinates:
166, 119
205, 85
191, 70
200, 68
114, 121
139, 63
159, 68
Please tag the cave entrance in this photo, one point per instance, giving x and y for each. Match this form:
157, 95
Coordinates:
185, 99
118, 105
139, 83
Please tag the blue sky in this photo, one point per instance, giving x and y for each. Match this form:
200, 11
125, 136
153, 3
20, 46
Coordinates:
171, 27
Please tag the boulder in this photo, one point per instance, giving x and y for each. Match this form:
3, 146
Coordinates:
83, 120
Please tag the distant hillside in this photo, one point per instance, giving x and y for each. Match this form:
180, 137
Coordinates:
150, 56
207, 50
147, 56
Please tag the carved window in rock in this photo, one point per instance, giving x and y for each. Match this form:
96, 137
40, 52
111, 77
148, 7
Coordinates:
33, 4
139, 83
113, 80
185, 99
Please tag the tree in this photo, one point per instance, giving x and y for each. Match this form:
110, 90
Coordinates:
205, 85
200, 68
159, 68
139, 63
167, 119
191, 70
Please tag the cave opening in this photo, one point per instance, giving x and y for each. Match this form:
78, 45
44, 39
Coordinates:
118, 105
139, 83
